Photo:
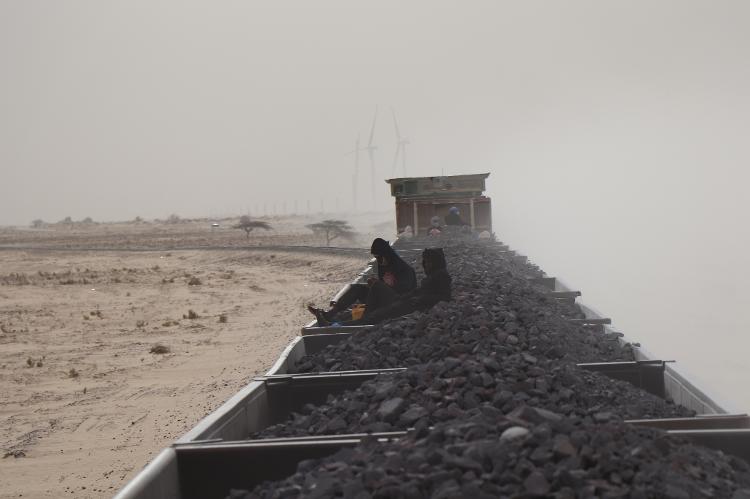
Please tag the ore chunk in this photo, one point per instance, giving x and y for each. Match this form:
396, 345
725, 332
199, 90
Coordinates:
390, 409
514, 432
536, 484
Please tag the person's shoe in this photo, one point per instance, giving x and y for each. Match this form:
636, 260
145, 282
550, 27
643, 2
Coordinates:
322, 319
319, 315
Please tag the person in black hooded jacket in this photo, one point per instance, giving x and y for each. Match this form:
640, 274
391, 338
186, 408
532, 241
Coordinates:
435, 287
395, 278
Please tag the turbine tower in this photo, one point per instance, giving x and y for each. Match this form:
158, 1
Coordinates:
371, 152
401, 143
356, 171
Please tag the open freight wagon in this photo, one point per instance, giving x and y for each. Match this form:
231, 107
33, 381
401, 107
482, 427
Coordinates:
218, 453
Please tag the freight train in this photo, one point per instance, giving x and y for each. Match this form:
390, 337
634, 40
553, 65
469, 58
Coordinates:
483, 396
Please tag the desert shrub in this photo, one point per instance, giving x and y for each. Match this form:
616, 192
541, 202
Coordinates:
223, 318
191, 315
15, 279
248, 225
332, 229
194, 281
159, 349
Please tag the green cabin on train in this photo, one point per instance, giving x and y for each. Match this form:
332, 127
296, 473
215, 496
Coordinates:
419, 199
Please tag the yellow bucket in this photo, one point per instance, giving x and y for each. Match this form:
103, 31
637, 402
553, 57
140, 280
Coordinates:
358, 311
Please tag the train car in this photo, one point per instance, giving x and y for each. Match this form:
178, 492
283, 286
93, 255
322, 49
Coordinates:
220, 453
420, 199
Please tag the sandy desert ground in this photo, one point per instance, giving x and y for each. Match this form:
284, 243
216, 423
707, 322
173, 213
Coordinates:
85, 400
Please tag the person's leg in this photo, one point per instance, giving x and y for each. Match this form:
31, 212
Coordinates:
356, 292
397, 308
380, 295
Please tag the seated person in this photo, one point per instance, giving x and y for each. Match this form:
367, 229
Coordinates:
407, 233
395, 278
435, 287
435, 228
453, 217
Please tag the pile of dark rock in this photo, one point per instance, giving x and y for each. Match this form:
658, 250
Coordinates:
526, 453
495, 406
455, 389
494, 308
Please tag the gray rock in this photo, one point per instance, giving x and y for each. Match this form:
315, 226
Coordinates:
536, 484
390, 409
514, 432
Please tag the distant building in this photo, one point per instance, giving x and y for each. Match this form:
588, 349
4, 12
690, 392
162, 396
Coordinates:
418, 199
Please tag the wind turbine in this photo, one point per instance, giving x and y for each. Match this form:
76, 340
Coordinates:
356, 171
401, 143
371, 152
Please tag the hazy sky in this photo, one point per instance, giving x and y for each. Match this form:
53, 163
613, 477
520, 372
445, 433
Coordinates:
615, 132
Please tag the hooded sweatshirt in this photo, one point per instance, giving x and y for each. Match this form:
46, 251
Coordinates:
436, 286
395, 272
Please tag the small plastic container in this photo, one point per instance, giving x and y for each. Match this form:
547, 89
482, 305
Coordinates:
358, 310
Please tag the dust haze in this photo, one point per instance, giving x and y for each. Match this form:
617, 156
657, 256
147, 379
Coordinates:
615, 133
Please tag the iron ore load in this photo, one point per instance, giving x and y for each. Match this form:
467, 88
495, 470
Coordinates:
513, 388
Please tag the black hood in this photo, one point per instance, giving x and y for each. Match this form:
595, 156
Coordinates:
381, 247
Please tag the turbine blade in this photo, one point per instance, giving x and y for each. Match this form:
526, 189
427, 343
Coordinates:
372, 130
395, 124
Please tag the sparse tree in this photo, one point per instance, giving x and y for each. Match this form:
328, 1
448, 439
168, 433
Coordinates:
38, 223
332, 229
247, 224
87, 220
174, 219
66, 220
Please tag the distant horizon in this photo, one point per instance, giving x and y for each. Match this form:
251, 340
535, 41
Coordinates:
201, 218
187, 219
